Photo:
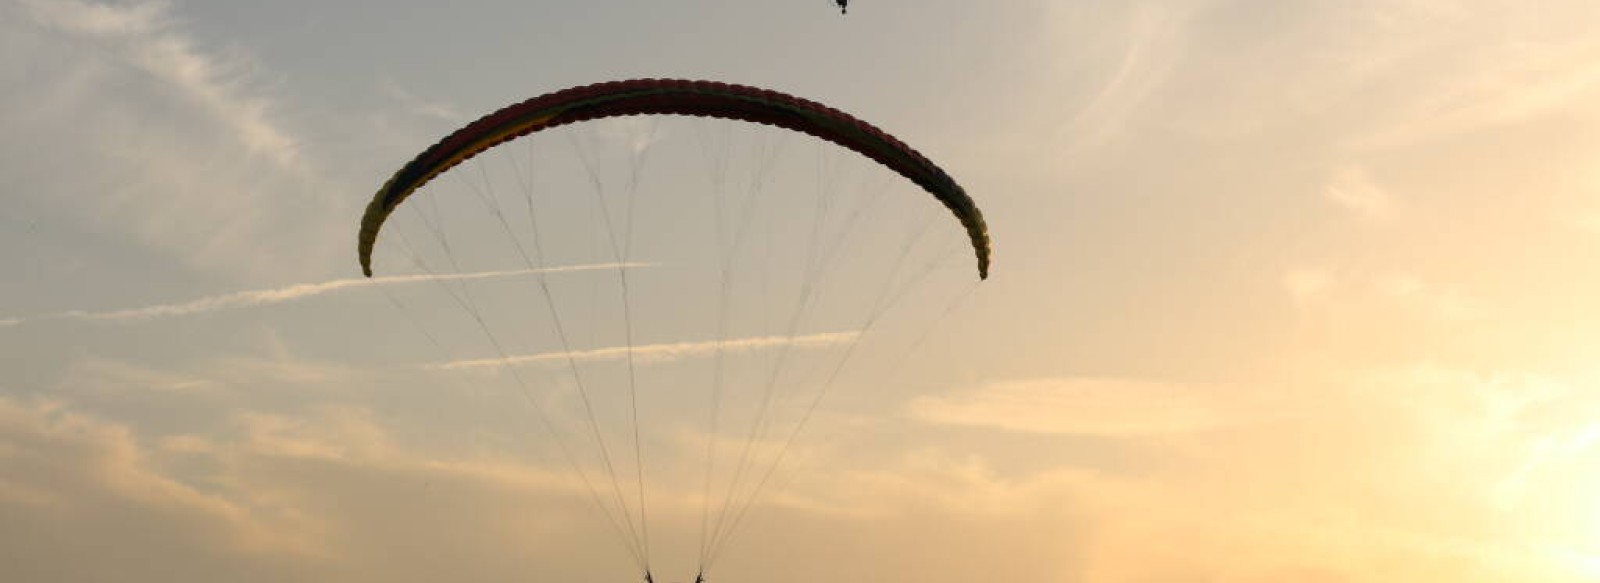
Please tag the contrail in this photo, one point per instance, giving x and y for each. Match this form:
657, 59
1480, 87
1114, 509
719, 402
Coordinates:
659, 353
263, 297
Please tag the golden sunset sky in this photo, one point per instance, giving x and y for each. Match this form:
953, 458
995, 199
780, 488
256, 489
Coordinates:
1287, 290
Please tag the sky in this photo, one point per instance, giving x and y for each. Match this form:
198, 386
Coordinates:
1282, 290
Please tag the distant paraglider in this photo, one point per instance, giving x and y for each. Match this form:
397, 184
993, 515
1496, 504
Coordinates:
844, 6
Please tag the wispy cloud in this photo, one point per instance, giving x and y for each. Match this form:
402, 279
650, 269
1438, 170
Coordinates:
263, 297
1307, 284
110, 473
292, 497
1585, 221
637, 133
1148, 44
1353, 189
420, 106
191, 153
1089, 406
1442, 302
112, 376
661, 353
1509, 82
1416, 295
142, 34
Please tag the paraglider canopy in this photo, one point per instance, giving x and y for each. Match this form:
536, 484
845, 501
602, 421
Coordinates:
751, 291
674, 97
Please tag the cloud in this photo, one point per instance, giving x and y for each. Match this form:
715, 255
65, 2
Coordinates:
1326, 494
1153, 31
1534, 69
1588, 222
101, 375
285, 500
251, 380
661, 353
1307, 284
1470, 69
1353, 189
1366, 76
638, 133
264, 297
84, 501
1104, 407
1103, 66
1363, 298
1329, 492
338, 495
1441, 302
422, 107
143, 35
127, 130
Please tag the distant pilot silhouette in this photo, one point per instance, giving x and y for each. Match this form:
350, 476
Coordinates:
698, 578
844, 6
